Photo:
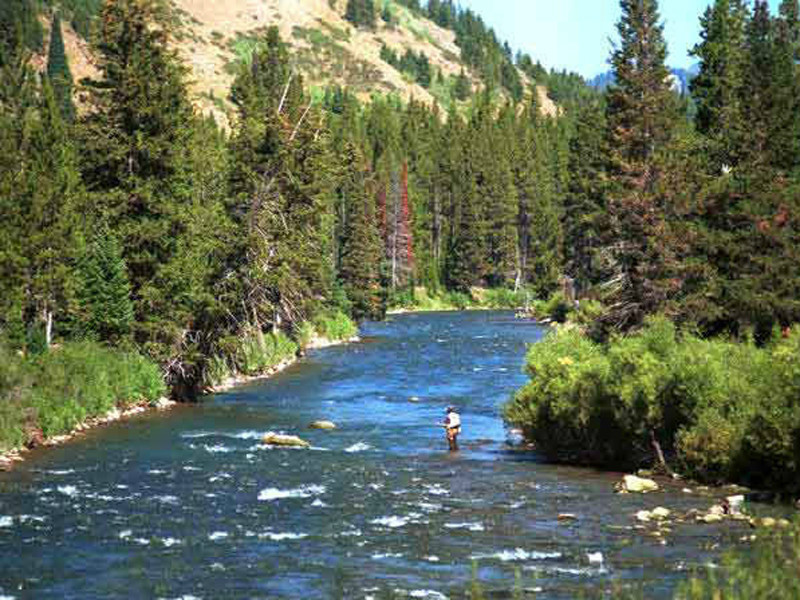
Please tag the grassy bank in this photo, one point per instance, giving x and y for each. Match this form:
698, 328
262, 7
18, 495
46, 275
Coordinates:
720, 410
48, 395
421, 299
254, 354
770, 570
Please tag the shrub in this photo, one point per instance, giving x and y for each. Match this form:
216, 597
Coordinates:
721, 410
58, 390
304, 334
335, 326
256, 354
499, 298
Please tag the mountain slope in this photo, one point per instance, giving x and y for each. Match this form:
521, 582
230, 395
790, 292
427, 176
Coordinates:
212, 36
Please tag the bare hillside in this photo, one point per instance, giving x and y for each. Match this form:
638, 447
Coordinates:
215, 34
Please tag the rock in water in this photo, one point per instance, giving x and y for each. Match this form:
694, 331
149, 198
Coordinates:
277, 439
661, 512
327, 425
710, 518
635, 484
567, 516
643, 516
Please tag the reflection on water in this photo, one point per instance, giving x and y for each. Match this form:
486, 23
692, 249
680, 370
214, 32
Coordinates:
191, 505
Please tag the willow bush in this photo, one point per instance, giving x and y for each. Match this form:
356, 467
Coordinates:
721, 410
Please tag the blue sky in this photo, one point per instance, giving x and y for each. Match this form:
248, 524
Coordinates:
574, 34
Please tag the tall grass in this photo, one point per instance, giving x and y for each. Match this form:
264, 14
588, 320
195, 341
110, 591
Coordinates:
424, 299
57, 390
335, 326
771, 569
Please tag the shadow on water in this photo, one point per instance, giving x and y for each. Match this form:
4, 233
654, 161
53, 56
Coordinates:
191, 504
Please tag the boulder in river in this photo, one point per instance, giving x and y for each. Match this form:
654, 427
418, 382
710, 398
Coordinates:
563, 517
644, 516
640, 485
327, 425
710, 518
660, 513
278, 439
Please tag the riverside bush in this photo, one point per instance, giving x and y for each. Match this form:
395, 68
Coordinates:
720, 410
335, 326
55, 391
257, 354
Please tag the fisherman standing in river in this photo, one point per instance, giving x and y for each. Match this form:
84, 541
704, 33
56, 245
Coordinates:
452, 427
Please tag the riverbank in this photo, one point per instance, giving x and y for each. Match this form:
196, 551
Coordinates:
420, 299
716, 410
90, 386
316, 343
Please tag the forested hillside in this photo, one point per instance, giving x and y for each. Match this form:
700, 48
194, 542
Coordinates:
131, 218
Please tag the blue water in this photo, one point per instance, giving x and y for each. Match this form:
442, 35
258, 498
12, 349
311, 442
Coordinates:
191, 505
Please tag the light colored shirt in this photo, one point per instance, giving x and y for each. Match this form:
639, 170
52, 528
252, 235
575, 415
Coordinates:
453, 420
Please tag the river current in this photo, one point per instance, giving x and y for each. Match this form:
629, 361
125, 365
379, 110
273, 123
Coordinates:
191, 505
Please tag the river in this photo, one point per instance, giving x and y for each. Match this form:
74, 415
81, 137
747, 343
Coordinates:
191, 505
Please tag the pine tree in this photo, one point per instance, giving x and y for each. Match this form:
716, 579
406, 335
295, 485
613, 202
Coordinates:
284, 184
135, 136
584, 209
51, 223
58, 70
19, 104
361, 248
641, 116
104, 293
717, 89
360, 13
462, 87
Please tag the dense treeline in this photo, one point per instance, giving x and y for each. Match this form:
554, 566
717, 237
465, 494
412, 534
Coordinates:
697, 220
140, 223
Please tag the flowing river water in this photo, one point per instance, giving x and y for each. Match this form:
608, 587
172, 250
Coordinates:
191, 505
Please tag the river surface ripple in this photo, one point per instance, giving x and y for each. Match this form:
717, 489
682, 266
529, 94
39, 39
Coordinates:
191, 505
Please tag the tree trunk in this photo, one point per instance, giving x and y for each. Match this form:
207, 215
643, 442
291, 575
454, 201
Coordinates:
48, 326
659, 453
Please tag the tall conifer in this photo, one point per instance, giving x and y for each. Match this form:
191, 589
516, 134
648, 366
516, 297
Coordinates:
58, 69
641, 117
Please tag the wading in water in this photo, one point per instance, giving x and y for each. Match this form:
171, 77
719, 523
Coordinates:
452, 427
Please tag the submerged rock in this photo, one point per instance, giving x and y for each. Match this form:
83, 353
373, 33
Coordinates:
710, 518
277, 439
639, 485
567, 516
327, 425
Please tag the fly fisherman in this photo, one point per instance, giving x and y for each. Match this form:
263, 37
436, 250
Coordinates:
452, 427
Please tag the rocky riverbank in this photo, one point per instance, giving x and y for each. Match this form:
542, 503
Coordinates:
9, 458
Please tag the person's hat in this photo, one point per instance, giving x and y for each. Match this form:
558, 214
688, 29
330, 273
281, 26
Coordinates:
450, 409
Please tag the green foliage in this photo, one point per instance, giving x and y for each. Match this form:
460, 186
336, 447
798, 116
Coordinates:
502, 298
58, 70
360, 13
335, 326
104, 295
57, 390
723, 411
304, 334
256, 353
19, 28
768, 570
